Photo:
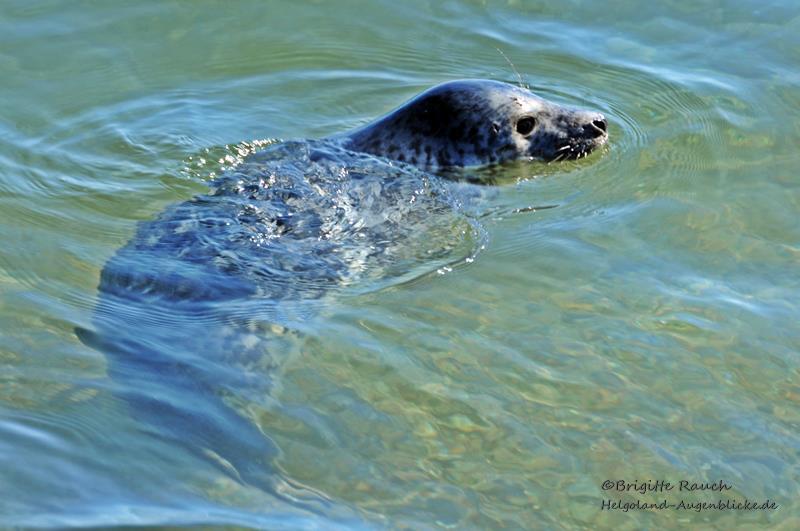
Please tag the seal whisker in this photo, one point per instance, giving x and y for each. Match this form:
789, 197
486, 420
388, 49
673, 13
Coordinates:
562, 148
519, 77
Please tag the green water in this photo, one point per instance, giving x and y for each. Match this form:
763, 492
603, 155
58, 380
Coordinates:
646, 328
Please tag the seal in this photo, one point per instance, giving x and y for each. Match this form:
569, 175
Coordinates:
478, 122
199, 311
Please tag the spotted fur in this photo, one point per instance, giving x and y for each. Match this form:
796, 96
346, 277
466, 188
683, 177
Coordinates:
474, 123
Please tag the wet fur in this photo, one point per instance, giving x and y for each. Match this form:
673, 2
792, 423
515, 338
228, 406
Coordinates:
473, 123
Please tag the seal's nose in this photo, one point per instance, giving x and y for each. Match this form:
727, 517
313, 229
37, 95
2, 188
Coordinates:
597, 127
601, 124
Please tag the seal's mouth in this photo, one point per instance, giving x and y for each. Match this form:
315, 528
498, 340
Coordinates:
576, 150
593, 135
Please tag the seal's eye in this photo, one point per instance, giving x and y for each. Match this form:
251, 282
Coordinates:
525, 125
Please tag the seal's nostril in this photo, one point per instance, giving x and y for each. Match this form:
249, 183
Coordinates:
596, 128
601, 124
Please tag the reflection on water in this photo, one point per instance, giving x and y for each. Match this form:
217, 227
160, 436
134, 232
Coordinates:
644, 327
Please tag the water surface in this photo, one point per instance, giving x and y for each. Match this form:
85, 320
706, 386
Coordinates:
645, 328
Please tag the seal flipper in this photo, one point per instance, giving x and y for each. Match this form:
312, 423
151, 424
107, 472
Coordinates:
89, 338
203, 427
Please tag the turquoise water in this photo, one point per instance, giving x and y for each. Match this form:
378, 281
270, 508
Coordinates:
643, 329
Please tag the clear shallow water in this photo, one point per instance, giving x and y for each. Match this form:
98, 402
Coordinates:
645, 328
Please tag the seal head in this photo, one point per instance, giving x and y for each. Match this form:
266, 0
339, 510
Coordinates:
478, 122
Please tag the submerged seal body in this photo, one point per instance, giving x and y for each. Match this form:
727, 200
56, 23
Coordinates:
188, 308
